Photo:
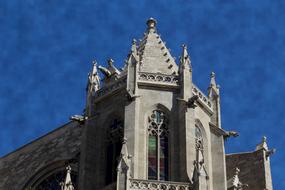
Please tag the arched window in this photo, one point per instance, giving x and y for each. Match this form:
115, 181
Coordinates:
114, 146
200, 174
53, 181
158, 155
51, 176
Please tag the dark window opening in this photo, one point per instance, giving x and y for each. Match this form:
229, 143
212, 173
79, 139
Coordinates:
114, 146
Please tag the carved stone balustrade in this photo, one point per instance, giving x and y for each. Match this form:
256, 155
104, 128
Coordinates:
203, 99
111, 87
137, 184
158, 79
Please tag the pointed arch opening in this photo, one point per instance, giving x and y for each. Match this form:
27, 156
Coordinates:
200, 176
115, 136
158, 146
53, 174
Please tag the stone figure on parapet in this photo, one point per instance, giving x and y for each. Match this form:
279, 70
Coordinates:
93, 79
104, 71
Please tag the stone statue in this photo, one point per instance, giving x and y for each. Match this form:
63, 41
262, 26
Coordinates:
93, 79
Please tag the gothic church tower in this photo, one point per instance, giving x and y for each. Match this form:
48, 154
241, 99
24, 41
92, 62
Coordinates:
148, 124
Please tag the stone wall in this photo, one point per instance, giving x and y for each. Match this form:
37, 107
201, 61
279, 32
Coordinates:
20, 166
251, 165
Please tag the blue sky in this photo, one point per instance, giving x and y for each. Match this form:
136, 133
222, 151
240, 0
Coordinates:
46, 50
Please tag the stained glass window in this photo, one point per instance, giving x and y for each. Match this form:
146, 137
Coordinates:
152, 157
158, 146
114, 146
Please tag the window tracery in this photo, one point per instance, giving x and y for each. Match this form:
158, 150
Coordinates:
53, 181
199, 139
158, 146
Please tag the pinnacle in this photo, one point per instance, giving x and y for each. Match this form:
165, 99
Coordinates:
262, 145
151, 23
213, 80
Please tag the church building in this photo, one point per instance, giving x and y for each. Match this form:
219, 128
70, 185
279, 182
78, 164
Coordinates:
146, 126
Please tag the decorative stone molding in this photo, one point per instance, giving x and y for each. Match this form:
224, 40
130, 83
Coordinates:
158, 78
137, 184
111, 87
202, 98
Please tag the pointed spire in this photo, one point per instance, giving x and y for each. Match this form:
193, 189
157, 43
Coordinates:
124, 159
123, 169
154, 56
134, 52
124, 151
67, 184
213, 88
185, 61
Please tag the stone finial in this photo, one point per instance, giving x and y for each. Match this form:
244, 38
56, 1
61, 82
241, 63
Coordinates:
185, 59
213, 79
134, 46
213, 89
262, 145
151, 23
68, 169
125, 140
110, 62
237, 171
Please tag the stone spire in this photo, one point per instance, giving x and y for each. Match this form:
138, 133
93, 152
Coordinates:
214, 96
154, 55
134, 47
213, 89
185, 73
213, 80
133, 55
67, 184
132, 69
185, 61
263, 146
123, 169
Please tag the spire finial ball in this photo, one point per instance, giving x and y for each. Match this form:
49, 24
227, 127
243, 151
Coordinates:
110, 62
212, 74
151, 22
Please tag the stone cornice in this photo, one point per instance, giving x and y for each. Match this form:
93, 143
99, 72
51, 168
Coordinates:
217, 130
